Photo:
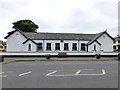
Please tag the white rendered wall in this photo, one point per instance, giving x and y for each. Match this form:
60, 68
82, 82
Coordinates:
61, 44
107, 43
33, 46
91, 47
14, 42
44, 43
70, 42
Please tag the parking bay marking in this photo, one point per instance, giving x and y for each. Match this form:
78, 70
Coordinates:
51, 73
1, 74
22, 74
76, 74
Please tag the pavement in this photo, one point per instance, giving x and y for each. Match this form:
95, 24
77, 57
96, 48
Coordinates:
60, 74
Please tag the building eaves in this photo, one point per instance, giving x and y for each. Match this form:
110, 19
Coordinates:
97, 36
29, 40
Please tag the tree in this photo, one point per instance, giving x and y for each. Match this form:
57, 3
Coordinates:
25, 26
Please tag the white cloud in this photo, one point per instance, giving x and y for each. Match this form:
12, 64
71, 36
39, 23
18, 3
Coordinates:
83, 16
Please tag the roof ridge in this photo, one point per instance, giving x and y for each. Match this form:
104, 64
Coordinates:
59, 33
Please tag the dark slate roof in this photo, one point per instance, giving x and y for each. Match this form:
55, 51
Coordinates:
2, 42
97, 36
59, 36
117, 38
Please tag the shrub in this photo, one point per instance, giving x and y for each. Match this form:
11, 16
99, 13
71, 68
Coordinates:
62, 54
118, 56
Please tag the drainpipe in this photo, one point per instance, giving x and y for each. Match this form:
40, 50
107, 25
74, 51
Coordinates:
78, 45
43, 45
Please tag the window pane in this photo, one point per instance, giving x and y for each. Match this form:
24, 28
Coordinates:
114, 47
74, 47
65, 46
57, 46
29, 47
94, 47
39, 46
1, 46
48, 46
118, 47
82, 46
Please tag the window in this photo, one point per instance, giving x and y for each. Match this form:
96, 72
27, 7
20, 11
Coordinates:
39, 46
29, 47
74, 47
57, 46
1, 46
114, 41
82, 46
5, 47
118, 41
61, 40
114, 47
118, 47
66, 46
94, 47
48, 46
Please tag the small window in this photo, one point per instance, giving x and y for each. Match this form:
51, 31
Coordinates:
29, 47
61, 40
118, 41
118, 47
82, 46
74, 47
48, 47
66, 46
1, 46
17, 34
94, 47
57, 46
114, 41
114, 47
39, 46
104, 36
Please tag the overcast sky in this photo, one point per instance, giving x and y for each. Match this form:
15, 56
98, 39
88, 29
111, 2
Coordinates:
63, 16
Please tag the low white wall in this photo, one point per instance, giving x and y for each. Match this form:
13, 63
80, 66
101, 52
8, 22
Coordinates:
55, 53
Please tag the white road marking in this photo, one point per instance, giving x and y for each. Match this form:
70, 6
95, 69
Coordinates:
103, 73
2, 73
25, 73
77, 72
51, 73
63, 75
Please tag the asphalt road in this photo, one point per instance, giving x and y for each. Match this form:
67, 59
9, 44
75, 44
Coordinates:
60, 74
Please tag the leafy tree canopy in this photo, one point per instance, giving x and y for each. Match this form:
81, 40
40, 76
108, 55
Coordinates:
25, 26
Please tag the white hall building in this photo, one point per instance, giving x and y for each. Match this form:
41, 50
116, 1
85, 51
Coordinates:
18, 41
